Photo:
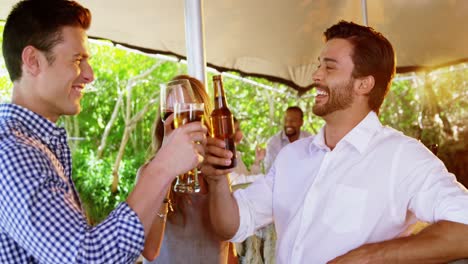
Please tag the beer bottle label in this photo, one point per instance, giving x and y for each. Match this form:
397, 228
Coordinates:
222, 126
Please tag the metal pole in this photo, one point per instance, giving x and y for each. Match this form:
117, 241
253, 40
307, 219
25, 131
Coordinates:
195, 39
364, 12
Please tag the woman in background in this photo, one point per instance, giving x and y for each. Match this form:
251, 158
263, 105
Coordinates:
186, 236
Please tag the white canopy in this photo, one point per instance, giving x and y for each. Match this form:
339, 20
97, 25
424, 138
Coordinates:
281, 39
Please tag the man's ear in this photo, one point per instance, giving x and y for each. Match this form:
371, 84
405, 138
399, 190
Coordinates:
366, 84
31, 60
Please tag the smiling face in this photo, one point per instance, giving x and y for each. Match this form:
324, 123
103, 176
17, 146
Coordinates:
292, 123
60, 83
333, 78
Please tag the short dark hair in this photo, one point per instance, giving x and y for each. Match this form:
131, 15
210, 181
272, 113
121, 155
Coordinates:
39, 24
296, 108
372, 55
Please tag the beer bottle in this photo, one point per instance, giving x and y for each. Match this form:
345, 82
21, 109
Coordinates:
222, 122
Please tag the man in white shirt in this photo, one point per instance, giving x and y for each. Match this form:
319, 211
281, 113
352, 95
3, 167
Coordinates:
348, 194
293, 121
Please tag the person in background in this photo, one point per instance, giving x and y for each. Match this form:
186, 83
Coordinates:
347, 194
293, 121
182, 233
241, 175
41, 217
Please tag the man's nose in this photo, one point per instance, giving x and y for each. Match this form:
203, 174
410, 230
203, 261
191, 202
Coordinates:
87, 73
318, 74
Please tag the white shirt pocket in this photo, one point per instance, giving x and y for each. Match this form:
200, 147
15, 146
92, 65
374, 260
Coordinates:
345, 209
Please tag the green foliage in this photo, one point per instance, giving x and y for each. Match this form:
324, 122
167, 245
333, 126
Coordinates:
93, 179
401, 109
5, 83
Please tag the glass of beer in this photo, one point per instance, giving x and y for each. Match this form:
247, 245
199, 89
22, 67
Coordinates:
176, 91
185, 113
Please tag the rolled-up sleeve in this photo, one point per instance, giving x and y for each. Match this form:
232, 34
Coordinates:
255, 206
427, 188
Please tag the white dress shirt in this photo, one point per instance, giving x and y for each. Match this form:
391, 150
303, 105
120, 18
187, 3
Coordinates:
275, 144
370, 188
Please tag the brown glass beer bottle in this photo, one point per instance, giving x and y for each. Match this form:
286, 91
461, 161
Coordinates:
222, 122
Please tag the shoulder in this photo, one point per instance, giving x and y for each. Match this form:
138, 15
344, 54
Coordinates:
406, 150
275, 138
305, 134
19, 152
388, 136
298, 147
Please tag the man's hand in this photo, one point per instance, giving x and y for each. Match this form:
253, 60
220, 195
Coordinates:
259, 154
216, 154
182, 150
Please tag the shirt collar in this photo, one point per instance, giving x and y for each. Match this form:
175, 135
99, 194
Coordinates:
359, 137
319, 140
285, 138
32, 121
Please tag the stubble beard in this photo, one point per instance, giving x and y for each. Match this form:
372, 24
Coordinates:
339, 98
291, 134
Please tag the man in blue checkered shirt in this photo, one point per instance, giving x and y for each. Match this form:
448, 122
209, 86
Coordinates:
41, 219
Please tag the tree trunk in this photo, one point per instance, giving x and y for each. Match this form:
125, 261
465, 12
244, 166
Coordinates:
130, 122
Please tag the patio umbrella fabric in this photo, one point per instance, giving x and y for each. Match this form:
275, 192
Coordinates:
281, 39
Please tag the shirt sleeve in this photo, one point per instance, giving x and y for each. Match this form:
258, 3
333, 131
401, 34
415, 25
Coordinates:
427, 188
40, 213
255, 206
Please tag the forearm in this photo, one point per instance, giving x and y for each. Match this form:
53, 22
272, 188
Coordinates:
154, 239
148, 195
441, 242
224, 212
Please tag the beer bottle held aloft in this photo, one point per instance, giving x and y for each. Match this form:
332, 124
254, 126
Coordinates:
222, 122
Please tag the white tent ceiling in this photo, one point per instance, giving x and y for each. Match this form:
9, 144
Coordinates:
281, 39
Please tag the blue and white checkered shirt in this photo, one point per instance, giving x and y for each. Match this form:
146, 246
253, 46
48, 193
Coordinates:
41, 219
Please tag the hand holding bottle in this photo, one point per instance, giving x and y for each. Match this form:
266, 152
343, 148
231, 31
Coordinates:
222, 122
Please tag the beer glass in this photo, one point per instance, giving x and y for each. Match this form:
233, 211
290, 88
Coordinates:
176, 91
185, 113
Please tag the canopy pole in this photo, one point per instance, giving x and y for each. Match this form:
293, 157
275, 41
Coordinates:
195, 39
364, 12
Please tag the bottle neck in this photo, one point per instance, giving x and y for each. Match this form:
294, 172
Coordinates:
220, 102
220, 99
